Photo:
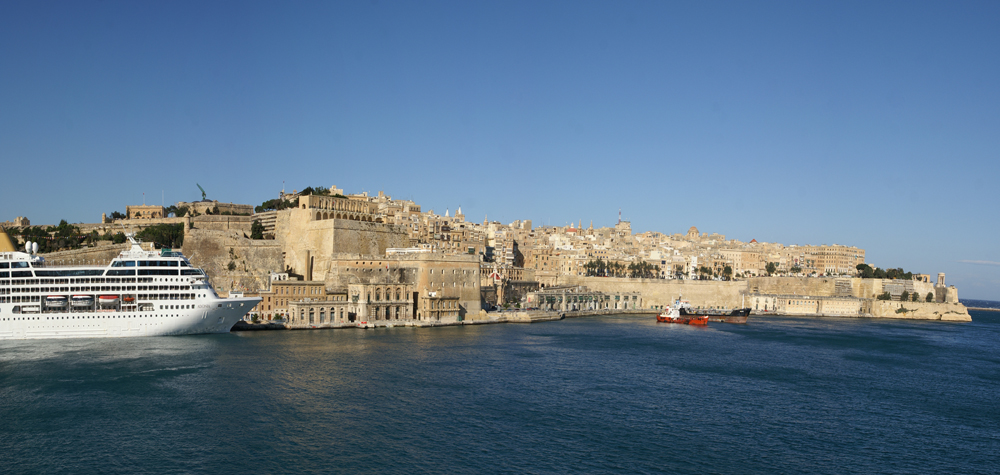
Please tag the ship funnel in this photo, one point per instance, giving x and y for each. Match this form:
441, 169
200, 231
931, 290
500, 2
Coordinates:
5, 244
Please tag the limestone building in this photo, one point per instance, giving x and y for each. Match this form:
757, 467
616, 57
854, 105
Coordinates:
215, 207
144, 212
18, 222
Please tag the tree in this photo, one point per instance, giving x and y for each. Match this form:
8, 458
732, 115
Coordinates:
276, 205
796, 269
727, 272
164, 235
64, 229
771, 268
930, 296
256, 230
318, 190
865, 271
904, 296
885, 296
915, 297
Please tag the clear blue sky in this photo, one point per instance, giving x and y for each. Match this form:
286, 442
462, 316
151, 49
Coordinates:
874, 124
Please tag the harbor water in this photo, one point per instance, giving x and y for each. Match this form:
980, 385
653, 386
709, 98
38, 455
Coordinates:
613, 394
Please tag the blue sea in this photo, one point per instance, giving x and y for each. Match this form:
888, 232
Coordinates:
616, 394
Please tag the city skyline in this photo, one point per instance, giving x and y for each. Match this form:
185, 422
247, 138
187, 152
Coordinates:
856, 124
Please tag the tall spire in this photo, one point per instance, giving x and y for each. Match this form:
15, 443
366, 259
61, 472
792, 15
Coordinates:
619, 216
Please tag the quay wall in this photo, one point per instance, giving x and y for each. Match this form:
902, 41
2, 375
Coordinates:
948, 312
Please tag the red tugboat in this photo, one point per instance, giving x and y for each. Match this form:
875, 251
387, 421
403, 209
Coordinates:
682, 312
673, 315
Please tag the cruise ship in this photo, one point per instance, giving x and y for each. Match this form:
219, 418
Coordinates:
140, 293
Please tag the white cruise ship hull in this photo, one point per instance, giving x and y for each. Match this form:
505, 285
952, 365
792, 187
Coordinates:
140, 293
210, 316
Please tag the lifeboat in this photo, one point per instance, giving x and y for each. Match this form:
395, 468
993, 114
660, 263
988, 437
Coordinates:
128, 299
55, 301
82, 300
107, 300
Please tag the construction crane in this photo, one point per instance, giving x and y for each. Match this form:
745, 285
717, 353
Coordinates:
202, 192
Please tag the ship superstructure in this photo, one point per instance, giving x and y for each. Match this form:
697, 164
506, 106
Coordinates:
140, 293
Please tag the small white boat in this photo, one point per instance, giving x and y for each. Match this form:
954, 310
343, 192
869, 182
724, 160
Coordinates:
55, 301
82, 300
107, 300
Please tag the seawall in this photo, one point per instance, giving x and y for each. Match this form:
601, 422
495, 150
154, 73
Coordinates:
946, 312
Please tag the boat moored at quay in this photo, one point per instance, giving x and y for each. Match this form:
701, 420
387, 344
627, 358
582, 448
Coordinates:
682, 312
139, 293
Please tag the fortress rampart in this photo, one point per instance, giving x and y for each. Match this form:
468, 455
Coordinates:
658, 293
848, 297
232, 261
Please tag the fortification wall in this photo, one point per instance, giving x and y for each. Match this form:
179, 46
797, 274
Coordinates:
252, 260
222, 223
660, 292
948, 312
100, 255
835, 286
813, 286
866, 288
309, 245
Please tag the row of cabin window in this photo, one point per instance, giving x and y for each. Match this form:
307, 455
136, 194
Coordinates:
150, 264
97, 280
112, 272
